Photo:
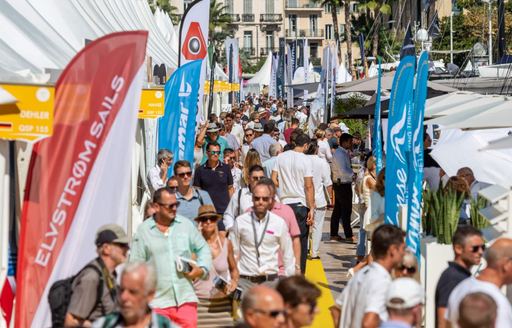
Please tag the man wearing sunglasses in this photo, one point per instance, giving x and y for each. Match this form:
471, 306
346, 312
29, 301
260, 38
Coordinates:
190, 198
263, 307
212, 136
215, 177
466, 244
257, 236
490, 281
164, 239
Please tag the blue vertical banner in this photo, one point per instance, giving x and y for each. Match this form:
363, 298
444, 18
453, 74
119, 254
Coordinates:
377, 127
280, 69
176, 129
416, 158
396, 145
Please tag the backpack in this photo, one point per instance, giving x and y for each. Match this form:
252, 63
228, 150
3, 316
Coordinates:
60, 293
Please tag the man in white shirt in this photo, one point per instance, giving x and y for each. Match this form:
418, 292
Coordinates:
233, 127
293, 176
363, 302
497, 274
474, 185
257, 237
242, 199
157, 175
230, 159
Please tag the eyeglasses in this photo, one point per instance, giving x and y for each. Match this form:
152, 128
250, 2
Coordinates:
214, 152
183, 174
273, 314
207, 218
475, 248
257, 178
173, 188
170, 206
257, 199
249, 135
410, 270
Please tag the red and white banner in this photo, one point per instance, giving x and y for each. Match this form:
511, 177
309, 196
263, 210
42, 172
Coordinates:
79, 179
194, 41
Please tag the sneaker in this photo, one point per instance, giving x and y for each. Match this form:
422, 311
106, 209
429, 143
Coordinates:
336, 238
314, 258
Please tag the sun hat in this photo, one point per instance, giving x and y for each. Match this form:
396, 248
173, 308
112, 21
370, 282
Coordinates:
207, 210
212, 127
258, 127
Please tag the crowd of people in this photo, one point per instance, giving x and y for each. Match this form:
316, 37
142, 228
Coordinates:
226, 239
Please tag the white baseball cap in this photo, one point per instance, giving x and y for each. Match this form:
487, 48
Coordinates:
404, 293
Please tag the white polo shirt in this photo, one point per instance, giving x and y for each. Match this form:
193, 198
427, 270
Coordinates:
274, 236
365, 292
233, 210
292, 167
321, 179
473, 285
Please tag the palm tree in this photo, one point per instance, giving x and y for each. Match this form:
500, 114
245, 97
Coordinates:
372, 13
220, 24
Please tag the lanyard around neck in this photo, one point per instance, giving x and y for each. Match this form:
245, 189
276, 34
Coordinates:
256, 242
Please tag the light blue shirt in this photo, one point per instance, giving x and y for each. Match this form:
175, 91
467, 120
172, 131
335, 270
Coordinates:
394, 324
183, 239
341, 160
262, 146
189, 208
268, 166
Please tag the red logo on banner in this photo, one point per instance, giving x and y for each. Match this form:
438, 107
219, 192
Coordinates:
194, 46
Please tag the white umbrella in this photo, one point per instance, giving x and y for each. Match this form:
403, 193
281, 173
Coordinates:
459, 114
499, 116
458, 149
502, 143
436, 105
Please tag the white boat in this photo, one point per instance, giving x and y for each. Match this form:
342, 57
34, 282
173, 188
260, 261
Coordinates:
495, 71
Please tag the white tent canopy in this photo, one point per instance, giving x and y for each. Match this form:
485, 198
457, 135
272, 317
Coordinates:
502, 143
470, 111
457, 148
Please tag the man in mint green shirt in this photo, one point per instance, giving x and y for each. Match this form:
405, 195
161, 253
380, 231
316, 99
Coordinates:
162, 239
212, 135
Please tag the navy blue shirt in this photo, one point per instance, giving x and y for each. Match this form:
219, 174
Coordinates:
449, 279
216, 182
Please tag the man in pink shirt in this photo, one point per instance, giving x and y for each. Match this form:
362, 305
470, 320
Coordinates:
286, 213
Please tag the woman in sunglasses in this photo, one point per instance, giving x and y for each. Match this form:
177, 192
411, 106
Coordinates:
215, 306
300, 300
408, 267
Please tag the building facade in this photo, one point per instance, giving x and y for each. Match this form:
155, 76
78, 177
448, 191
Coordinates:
258, 25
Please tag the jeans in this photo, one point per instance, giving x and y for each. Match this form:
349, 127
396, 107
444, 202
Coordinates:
317, 230
361, 243
342, 209
301, 214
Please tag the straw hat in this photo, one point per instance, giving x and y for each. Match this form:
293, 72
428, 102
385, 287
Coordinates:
207, 211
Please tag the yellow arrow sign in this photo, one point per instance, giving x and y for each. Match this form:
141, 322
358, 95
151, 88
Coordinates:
29, 119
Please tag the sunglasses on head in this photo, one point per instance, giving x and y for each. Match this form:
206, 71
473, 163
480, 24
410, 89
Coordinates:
183, 174
273, 314
410, 270
475, 248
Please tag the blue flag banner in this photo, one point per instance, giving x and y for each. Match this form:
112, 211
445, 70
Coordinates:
377, 128
416, 158
176, 129
396, 144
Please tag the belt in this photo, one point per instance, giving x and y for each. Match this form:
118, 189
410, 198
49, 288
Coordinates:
260, 279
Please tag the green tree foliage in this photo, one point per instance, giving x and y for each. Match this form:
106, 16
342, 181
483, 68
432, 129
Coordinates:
346, 105
166, 6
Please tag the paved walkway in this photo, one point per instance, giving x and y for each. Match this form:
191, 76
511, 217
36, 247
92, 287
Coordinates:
330, 273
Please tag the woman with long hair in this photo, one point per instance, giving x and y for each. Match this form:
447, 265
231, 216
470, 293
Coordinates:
215, 306
368, 184
251, 158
